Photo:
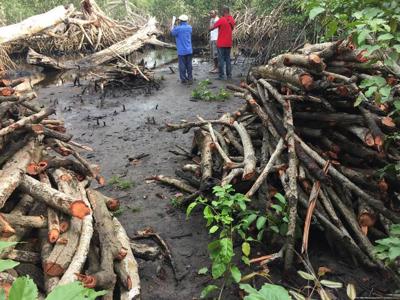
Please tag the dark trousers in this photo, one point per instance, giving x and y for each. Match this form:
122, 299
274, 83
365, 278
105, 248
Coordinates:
185, 67
224, 58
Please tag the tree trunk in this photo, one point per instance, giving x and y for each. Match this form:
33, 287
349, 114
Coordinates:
34, 24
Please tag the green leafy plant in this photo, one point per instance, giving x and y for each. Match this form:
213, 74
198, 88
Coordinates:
276, 292
120, 183
227, 218
373, 27
278, 220
119, 211
23, 288
388, 249
319, 284
176, 201
202, 92
267, 291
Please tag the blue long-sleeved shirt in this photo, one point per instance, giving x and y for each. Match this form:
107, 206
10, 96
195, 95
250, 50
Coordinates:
183, 37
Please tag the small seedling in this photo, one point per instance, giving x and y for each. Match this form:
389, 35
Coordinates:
122, 184
135, 209
176, 202
118, 212
202, 92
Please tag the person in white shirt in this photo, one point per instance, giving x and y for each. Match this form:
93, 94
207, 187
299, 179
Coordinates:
213, 40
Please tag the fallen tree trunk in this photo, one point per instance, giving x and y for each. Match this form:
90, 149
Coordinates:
34, 24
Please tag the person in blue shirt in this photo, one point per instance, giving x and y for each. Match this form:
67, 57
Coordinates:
183, 36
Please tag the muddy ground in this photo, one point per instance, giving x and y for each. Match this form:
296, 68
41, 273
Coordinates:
118, 135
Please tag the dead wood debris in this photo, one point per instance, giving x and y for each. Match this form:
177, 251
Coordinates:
44, 183
299, 114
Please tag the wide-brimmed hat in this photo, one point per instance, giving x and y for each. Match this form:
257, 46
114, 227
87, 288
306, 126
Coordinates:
183, 18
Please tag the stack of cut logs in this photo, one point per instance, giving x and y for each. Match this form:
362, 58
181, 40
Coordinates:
61, 230
301, 134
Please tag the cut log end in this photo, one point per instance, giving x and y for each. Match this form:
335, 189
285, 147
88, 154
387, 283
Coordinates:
122, 253
369, 140
248, 176
64, 225
113, 204
361, 57
314, 59
129, 282
388, 121
53, 235
378, 141
32, 169
79, 209
88, 281
38, 128
383, 186
101, 180
307, 81
53, 269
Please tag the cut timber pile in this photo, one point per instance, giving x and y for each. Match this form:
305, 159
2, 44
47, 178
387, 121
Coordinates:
65, 229
300, 133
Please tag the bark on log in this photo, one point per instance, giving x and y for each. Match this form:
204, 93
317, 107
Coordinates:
204, 142
377, 204
53, 222
292, 75
377, 133
63, 253
248, 149
25, 221
82, 250
293, 194
41, 129
127, 269
45, 250
312, 61
54, 198
24, 256
22, 208
34, 24
27, 120
174, 182
110, 247
12, 172
262, 177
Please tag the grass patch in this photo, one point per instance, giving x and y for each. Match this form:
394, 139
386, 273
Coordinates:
202, 92
119, 212
120, 183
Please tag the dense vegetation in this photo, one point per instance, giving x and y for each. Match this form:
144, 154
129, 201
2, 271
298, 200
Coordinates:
12, 11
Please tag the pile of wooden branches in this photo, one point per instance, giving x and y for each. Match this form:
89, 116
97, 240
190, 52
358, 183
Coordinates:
122, 76
301, 134
64, 230
87, 29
